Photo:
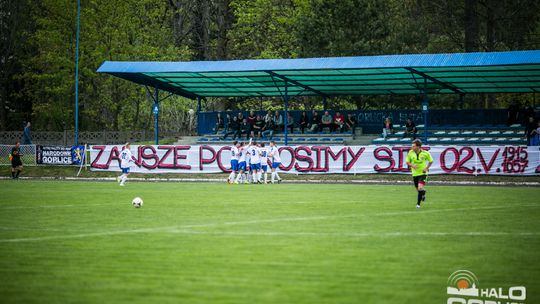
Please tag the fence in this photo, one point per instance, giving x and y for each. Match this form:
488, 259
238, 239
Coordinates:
67, 138
28, 153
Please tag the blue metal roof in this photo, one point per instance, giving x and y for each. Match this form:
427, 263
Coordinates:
496, 72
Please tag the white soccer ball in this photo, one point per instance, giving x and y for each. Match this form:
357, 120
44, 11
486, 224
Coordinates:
137, 202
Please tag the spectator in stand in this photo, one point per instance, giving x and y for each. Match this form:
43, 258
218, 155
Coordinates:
234, 128
535, 141
339, 122
513, 114
350, 122
251, 119
219, 123
240, 117
258, 127
227, 123
278, 120
245, 128
290, 122
327, 122
410, 128
530, 130
304, 121
27, 134
315, 122
388, 127
268, 117
269, 129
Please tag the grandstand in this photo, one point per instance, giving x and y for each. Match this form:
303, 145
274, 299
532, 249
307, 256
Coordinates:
421, 75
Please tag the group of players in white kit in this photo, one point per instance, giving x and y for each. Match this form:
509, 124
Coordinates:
249, 163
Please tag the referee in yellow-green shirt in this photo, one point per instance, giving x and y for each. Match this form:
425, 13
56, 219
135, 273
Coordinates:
419, 160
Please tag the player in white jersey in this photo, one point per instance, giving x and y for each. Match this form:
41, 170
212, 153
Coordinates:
125, 160
248, 179
264, 161
276, 161
255, 162
241, 163
234, 162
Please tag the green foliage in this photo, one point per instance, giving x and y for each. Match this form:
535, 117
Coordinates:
38, 53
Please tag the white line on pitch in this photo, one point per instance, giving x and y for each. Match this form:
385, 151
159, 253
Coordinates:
249, 222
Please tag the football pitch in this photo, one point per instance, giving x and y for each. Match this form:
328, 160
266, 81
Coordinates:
83, 242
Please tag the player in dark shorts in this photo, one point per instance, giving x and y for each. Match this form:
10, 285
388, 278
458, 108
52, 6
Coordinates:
16, 163
419, 160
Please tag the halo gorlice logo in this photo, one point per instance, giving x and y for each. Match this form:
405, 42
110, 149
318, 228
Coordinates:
462, 283
463, 286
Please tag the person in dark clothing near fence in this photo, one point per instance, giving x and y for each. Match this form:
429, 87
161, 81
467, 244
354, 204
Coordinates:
350, 122
234, 127
219, 123
304, 121
530, 129
16, 162
27, 135
410, 128
245, 128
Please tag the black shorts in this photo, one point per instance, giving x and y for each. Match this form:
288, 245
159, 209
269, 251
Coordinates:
16, 163
418, 179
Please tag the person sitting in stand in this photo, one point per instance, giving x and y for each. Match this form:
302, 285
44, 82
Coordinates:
315, 122
245, 128
268, 116
290, 122
234, 128
350, 122
278, 120
410, 128
251, 119
339, 122
219, 123
240, 117
258, 127
327, 122
388, 127
304, 121
269, 129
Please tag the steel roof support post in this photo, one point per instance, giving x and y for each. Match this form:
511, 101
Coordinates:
285, 118
77, 74
425, 109
156, 114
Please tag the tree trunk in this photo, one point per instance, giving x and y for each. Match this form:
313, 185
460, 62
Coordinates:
201, 27
471, 26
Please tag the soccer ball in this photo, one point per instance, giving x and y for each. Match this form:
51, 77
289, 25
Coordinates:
137, 202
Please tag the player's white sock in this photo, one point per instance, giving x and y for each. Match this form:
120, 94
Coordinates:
273, 175
238, 177
277, 175
259, 177
265, 177
254, 178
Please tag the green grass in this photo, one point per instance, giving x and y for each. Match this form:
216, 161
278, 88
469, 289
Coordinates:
82, 242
